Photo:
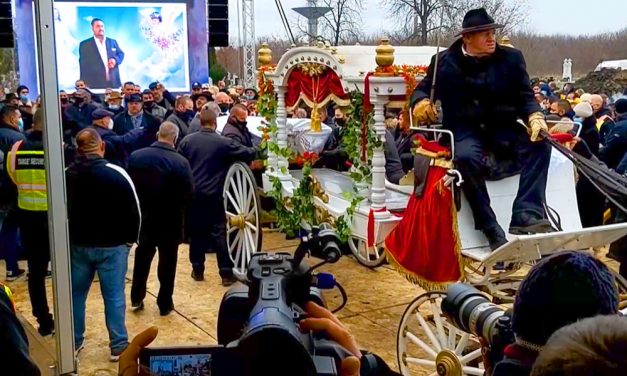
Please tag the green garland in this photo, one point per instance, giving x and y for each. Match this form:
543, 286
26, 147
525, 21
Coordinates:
293, 211
353, 139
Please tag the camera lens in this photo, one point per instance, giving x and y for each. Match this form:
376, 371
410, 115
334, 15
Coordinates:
469, 310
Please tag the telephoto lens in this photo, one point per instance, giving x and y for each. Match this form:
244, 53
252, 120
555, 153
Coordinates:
468, 309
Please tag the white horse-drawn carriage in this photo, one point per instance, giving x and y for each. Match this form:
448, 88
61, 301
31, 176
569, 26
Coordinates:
425, 337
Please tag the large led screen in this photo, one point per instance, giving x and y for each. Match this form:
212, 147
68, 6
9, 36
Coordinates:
107, 44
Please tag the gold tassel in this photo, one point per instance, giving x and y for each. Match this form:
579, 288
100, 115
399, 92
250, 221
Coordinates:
414, 278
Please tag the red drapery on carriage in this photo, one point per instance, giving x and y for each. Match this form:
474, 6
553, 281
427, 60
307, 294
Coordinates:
314, 86
425, 245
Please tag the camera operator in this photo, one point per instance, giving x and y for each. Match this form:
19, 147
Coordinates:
320, 320
560, 290
596, 345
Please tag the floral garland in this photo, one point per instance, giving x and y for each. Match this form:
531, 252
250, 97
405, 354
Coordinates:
266, 107
292, 211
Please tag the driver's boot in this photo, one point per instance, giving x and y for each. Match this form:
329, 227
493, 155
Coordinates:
525, 224
496, 237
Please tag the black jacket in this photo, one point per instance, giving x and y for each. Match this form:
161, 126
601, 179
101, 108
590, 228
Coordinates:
8, 137
607, 125
118, 148
237, 132
79, 117
122, 124
210, 156
164, 183
590, 135
14, 357
480, 94
93, 70
615, 144
182, 124
393, 167
103, 208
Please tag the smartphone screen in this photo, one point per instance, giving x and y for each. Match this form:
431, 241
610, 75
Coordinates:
180, 365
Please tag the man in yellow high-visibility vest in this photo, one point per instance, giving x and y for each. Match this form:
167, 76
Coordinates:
26, 168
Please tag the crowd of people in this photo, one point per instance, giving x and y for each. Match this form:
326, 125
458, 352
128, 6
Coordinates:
156, 158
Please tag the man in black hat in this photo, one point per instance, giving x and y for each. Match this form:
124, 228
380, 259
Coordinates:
117, 148
135, 117
484, 88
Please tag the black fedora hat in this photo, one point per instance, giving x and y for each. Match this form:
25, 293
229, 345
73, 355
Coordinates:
478, 20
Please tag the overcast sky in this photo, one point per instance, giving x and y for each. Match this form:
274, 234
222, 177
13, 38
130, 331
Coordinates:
545, 16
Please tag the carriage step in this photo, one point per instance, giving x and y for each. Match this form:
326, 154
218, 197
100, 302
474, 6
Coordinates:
525, 248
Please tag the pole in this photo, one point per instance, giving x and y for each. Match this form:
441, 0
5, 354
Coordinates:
437, 57
57, 218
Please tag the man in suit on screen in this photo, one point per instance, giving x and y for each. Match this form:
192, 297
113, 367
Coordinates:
100, 58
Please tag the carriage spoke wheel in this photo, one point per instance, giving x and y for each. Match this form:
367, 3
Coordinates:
427, 343
241, 203
371, 257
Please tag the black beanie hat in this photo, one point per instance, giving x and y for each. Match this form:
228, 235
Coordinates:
560, 290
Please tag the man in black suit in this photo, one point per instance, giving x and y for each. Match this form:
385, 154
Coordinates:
164, 183
99, 58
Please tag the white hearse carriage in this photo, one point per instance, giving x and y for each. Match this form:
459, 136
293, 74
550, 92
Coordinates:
425, 338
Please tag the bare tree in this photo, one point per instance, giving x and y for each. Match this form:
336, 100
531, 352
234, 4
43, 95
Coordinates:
421, 18
510, 13
417, 18
341, 25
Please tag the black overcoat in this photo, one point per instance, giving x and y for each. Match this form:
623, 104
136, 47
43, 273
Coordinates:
479, 95
164, 183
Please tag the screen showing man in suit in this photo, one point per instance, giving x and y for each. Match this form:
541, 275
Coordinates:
108, 43
99, 58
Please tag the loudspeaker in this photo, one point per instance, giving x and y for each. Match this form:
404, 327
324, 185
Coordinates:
218, 16
6, 25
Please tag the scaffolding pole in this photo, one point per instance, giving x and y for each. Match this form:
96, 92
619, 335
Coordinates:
250, 66
55, 175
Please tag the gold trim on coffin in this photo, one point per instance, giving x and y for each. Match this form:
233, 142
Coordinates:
312, 69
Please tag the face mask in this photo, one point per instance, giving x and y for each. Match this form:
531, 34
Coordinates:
24, 98
20, 125
64, 100
114, 106
110, 124
250, 97
79, 100
187, 115
149, 104
224, 107
340, 122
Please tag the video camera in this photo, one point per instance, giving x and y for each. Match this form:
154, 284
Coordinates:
257, 322
469, 310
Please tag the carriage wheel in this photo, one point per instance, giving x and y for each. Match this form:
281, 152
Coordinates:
371, 257
427, 343
241, 203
